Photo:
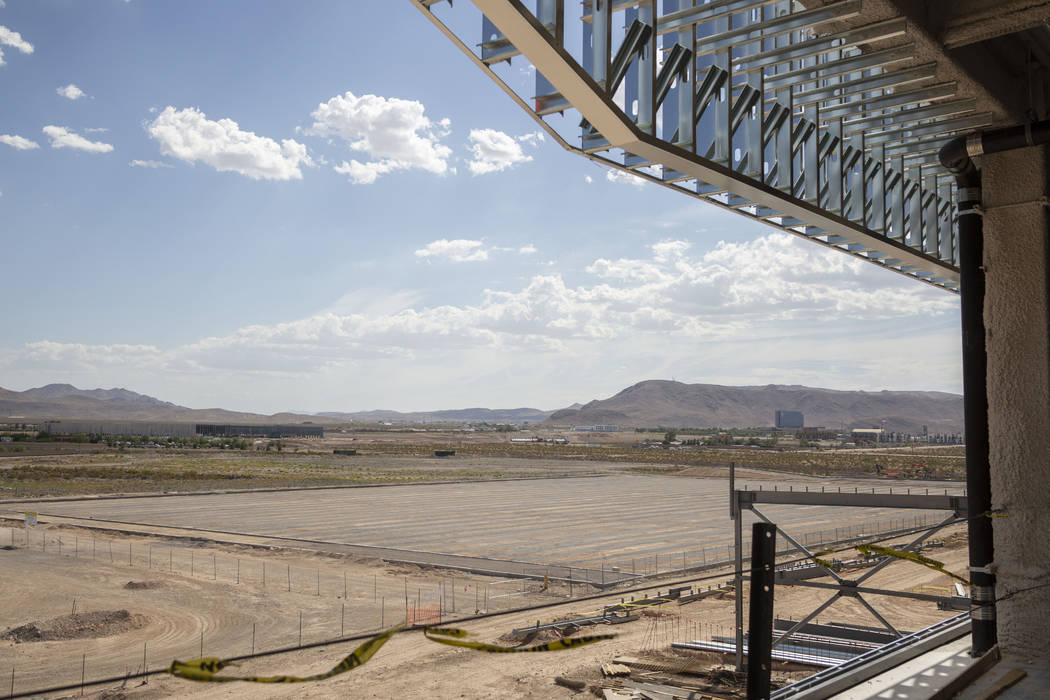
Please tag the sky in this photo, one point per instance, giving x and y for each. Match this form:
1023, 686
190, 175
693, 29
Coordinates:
324, 206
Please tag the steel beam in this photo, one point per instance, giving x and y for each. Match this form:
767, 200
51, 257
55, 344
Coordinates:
878, 31
741, 165
856, 591
844, 9
956, 504
828, 69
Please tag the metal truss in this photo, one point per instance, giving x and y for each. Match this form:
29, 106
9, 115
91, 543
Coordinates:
762, 107
843, 588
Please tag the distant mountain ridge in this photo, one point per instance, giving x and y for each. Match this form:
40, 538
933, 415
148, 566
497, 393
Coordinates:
57, 401
57, 391
674, 404
460, 415
649, 403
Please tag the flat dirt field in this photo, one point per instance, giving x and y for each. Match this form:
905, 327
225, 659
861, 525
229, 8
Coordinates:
578, 522
102, 583
177, 613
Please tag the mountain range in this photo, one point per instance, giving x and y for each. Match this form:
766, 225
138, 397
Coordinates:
674, 404
649, 403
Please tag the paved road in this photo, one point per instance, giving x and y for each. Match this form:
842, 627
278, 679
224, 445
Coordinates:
635, 523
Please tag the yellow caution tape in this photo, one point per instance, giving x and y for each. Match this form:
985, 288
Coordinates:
869, 549
204, 670
446, 631
436, 634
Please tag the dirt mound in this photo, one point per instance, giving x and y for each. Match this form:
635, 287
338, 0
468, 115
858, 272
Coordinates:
143, 585
547, 634
91, 625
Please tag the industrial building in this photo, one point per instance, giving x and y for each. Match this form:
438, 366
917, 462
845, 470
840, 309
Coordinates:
789, 420
67, 427
82, 427
259, 431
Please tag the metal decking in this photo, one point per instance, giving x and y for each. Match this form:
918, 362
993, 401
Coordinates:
809, 119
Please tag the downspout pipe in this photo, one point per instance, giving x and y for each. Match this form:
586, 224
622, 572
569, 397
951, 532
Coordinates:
957, 156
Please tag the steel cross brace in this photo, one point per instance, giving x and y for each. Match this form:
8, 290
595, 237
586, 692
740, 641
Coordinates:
842, 587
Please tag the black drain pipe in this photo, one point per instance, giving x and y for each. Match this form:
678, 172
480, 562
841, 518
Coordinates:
956, 156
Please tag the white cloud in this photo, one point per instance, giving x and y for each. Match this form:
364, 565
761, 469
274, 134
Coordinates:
70, 92
19, 142
188, 135
588, 179
775, 309
622, 177
527, 249
149, 164
95, 130
393, 133
493, 151
533, 139
14, 40
62, 137
459, 250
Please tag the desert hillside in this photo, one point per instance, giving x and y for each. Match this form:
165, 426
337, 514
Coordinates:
674, 404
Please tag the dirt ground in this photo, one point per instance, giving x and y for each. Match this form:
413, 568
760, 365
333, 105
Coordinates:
184, 611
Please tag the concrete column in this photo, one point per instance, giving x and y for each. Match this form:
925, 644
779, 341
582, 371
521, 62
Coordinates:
1017, 317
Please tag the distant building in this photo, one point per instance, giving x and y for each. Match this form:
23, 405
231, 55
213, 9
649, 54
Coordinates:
815, 433
596, 428
180, 429
789, 420
82, 427
267, 431
870, 434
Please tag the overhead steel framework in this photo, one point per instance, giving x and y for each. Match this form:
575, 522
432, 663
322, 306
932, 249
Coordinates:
741, 500
769, 108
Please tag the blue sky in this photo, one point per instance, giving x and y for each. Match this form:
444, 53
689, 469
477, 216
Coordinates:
324, 206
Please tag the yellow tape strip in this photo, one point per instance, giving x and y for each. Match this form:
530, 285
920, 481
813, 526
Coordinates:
556, 645
204, 670
868, 549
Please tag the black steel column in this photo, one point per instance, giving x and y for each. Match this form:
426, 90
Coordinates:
760, 633
975, 412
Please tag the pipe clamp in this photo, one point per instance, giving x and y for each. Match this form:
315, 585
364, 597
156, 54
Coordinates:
974, 144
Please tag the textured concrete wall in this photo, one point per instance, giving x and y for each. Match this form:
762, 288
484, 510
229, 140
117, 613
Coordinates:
1018, 341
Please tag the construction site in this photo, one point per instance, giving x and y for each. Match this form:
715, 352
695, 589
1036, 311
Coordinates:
105, 592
